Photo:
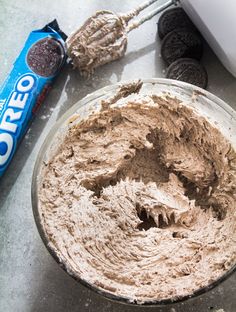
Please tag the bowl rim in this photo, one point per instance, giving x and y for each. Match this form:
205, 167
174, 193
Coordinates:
34, 193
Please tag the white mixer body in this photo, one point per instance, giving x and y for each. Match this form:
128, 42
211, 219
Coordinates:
216, 20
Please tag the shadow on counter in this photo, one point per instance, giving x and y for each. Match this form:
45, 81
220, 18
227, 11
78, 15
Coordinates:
78, 87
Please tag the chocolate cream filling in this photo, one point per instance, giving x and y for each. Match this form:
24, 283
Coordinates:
139, 200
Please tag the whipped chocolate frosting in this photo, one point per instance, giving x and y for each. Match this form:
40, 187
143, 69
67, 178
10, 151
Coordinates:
139, 200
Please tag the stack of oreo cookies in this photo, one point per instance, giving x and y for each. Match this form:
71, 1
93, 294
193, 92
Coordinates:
182, 47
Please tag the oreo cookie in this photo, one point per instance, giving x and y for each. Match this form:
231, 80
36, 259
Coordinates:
26, 86
188, 70
45, 57
181, 43
172, 19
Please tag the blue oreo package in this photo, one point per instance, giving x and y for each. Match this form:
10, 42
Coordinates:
24, 90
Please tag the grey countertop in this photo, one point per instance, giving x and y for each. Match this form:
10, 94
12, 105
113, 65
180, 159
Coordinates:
30, 280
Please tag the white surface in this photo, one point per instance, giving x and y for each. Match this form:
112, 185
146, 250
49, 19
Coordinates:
216, 20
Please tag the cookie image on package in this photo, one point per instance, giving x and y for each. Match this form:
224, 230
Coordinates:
181, 43
188, 70
45, 57
172, 19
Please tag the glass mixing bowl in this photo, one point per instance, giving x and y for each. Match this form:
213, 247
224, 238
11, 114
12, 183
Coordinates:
204, 103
